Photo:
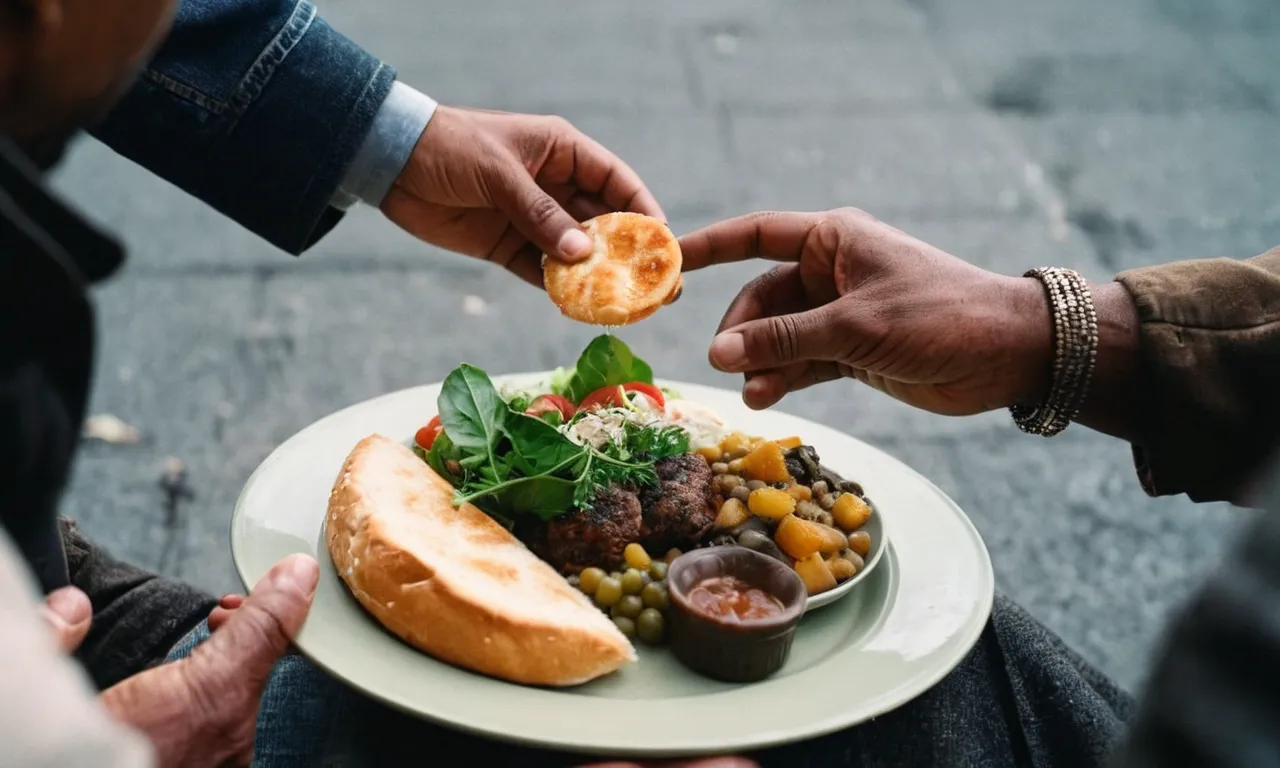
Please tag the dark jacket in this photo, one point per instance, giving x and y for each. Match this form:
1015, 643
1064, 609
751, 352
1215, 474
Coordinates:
255, 106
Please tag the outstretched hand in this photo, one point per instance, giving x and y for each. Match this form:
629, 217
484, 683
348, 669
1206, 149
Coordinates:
508, 188
857, 298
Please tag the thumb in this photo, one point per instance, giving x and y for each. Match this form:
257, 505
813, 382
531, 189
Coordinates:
773, 342
260, 630
538, 216
69, 613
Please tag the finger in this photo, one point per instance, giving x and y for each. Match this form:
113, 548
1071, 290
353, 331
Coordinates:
604, 174
766, 235
231, 602
583, 207
765, 389
69, 613
777, 292
260, 630
537, 214
218, 617
773, 342
527, 265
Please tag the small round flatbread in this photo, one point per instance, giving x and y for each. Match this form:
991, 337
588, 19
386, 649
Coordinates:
633, 270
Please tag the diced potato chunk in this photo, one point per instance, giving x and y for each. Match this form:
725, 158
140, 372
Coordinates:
711, 453
800, 492
850, 512
798, 538
766, 463
789, 442
815, 574
735, 444
771, 503
732, 514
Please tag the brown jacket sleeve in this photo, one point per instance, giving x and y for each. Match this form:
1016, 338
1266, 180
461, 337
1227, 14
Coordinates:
1209, 391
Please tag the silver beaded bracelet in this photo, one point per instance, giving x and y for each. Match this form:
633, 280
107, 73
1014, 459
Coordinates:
1075, 351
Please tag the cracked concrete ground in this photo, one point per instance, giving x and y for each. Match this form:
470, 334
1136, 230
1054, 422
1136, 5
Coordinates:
1085, 133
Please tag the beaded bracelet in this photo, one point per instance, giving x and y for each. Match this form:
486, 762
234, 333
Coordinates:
1075, 351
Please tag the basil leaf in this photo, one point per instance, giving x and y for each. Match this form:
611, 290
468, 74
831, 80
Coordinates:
546, 497
606, 362
471, 410
442, 452
537, 447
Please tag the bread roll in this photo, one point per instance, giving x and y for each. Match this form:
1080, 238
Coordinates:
633, 270
456, 584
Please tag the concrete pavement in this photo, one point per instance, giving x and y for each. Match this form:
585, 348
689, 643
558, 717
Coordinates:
1014, 133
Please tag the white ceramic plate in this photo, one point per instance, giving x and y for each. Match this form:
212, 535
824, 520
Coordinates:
892, 635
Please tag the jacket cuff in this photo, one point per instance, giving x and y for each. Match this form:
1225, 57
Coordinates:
1208, 414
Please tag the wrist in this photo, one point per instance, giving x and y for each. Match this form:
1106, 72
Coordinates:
1108, 406
1030, 342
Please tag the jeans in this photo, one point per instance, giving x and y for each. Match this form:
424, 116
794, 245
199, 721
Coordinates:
1020, 698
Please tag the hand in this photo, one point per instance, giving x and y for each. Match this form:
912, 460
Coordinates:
861, 299
68, 613
508, 188
201, 711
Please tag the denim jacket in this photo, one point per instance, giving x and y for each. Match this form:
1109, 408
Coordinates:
256, 107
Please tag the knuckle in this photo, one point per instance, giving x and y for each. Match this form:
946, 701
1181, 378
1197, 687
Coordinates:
543, 209
560, 126
784, 335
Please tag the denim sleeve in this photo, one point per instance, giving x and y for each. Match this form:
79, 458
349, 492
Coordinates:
257, 107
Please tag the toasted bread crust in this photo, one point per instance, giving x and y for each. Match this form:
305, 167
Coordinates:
634, 270
454, 583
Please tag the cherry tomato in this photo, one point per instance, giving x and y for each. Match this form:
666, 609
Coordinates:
649, 391
604, 397
616, 397
548, 403
427, 435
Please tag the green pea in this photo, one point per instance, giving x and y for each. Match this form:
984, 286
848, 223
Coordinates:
655, 596
589, 579
632, 582
625, 626
608, 592
628, 607
650, 626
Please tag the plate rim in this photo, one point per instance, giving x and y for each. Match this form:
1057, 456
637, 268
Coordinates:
964, 639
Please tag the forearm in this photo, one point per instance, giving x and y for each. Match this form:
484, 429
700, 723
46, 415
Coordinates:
258, 108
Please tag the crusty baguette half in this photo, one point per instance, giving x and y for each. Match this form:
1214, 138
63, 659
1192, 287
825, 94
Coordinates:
454, 583
633, 270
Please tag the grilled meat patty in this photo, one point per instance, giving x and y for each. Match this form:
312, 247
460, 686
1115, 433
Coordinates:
677, 512
583, 538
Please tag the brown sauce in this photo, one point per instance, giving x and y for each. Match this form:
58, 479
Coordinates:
728, 598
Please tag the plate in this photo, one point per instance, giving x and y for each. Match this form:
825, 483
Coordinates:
895, 633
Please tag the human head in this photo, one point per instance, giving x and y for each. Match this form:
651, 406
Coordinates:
64, 63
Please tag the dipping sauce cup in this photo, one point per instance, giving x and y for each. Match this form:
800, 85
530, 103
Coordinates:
707, 628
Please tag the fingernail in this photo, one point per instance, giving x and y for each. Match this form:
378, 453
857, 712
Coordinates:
300, 573
728, 350
70, 605
575, 244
